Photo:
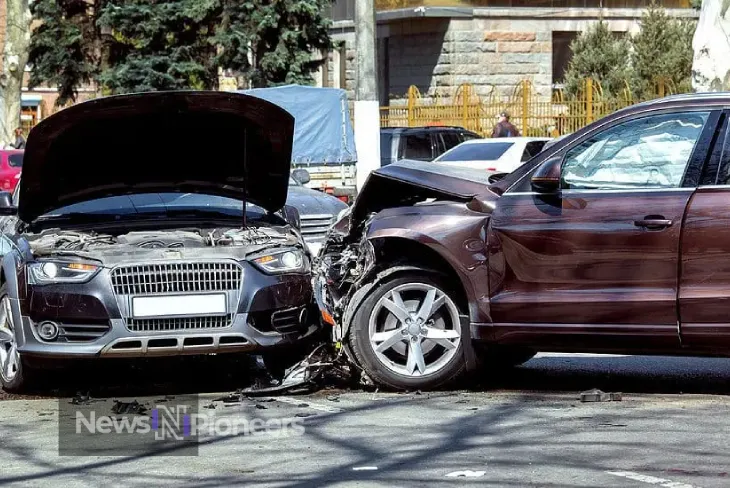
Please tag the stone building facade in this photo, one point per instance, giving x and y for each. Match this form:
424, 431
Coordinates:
438, 49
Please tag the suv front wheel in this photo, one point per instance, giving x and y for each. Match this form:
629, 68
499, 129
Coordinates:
407, 334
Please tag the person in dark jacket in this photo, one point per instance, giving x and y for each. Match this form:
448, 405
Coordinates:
504, 127
19, 139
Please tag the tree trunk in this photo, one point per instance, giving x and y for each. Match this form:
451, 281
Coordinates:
15, 57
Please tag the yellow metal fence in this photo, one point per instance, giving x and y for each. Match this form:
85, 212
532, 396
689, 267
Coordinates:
533, 114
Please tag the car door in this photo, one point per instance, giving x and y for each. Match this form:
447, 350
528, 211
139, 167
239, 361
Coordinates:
704, 287
596, 265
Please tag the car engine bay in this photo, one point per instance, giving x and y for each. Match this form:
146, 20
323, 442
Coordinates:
55, 241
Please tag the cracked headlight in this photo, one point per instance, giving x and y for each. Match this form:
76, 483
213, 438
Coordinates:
46, 272
283, 262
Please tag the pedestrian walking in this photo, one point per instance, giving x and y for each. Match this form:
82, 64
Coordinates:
505, 128
19, 139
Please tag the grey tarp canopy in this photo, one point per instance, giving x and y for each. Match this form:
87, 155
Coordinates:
323, 131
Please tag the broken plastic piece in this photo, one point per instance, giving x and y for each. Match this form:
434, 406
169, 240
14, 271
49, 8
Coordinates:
596, 395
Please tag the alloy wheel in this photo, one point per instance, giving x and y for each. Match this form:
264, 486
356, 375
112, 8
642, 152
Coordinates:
9, 355
414, 329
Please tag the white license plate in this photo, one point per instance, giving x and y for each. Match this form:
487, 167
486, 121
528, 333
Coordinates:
170, 306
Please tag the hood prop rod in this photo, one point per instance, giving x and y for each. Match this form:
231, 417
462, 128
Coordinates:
245, 160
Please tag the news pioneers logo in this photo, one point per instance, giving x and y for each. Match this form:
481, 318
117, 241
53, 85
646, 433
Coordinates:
171, 424
117, 428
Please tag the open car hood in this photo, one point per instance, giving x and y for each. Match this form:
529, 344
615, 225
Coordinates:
215, 143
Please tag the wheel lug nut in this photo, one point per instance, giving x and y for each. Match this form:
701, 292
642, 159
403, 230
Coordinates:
413, 338
424, 331
404, 331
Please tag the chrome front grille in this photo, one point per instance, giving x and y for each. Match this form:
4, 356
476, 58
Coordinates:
314, 227
179, 323
151, 279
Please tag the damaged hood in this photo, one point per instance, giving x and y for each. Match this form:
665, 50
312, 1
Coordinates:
215, 143
405, 182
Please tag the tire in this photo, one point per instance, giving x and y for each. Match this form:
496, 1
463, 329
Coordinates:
503, 357
399, 365
15, 373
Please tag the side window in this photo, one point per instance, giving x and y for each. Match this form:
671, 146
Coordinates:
650, 152
532, 149
468, 136
450, 139
416, 146
386, 148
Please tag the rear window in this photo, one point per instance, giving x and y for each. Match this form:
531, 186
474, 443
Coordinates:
15, 160
417, 146
477, 152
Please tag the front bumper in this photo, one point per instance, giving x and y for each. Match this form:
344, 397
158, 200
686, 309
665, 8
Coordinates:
269, 311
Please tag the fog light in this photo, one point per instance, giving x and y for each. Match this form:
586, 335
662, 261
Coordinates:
48, 331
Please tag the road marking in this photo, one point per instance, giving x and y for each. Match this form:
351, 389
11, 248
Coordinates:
652, 480
365, 468
314, 406
466, 474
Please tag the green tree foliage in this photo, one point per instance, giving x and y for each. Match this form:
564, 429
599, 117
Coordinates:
270, 41
64, 48
662, 52
601, 55
142, 45
159, 45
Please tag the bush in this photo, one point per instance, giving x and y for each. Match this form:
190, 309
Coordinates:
662, 51
602, 55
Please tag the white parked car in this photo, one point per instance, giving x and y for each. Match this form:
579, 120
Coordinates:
499, 155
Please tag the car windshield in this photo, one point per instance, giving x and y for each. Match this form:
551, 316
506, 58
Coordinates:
159, 203
15, 160
482, 151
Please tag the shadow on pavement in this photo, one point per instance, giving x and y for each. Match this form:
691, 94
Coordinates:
545, 373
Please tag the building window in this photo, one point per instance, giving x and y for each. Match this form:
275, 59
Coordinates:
562, 54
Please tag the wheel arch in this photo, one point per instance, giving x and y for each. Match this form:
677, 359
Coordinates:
396, 255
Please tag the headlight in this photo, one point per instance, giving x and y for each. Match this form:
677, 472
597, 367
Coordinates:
45, 272
283, 262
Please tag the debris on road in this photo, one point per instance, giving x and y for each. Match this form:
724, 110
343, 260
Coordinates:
596, 395
133, 407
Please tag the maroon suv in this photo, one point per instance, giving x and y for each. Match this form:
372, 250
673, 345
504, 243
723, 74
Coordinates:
616, 239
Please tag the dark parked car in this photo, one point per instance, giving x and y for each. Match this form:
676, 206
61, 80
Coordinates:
109, 256
420, 143
615, 240
317, 210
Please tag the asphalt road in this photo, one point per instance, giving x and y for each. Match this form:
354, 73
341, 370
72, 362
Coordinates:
524, 428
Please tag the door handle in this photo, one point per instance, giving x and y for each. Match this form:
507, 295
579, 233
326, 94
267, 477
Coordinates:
653, 222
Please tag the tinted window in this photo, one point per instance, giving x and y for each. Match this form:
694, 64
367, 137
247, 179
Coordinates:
651, 152
450, 139
488, 151
159, 203
15, 160
532, 149
468, 136
416, 146
386, 151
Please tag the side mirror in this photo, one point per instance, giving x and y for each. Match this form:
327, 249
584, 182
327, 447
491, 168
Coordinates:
546, 179
6, 204
301, 176
291, 215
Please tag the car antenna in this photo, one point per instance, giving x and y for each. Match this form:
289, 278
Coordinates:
245, 176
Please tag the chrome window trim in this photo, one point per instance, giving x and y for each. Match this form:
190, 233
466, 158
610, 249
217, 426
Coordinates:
583, 191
